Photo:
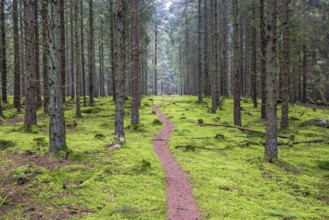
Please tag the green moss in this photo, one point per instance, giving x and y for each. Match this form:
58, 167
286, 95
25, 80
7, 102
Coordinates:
4, 144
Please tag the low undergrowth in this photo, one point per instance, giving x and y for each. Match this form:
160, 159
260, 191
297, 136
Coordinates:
95, 181
229, 176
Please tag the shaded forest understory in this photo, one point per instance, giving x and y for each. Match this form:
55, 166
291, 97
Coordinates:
225, 165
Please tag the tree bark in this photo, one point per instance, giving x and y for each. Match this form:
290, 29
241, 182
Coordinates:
207, 50
224, 63
285, 62
304, 94
45, 72
82, 57
263, 59
17, 62
271, 145
254, 61
62, 49
30, 100
77, 59
3, 52
91, 57
119, 71
37, 55
199, 54
236, 72
135, 74
57, 139
72, 49
155, 74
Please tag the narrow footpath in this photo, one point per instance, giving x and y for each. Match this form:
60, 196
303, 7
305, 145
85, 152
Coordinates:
180, 202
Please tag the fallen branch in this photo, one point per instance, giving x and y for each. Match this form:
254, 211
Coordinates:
310, 141
243, 129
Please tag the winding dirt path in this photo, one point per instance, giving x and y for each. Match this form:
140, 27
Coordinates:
180, 202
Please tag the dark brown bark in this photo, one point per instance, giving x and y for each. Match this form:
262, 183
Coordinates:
207, 50
45, 73
271, 142
62, 49
119, 78
30, 100
224, 58
112, 49
135, 74
17, 62
253, 73
285, 60
236, 72
1, 112
101, 59
91, 56
22, 48
57, 136
263, 58
72, 49
3, 52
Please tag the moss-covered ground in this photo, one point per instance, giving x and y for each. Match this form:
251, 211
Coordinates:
229, 177
228, 173
95, 182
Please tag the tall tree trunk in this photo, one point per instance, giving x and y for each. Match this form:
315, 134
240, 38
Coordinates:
82, 56
155, 74
135, 74
37, 55
271, 146
57, 139
254, 60
187, 45
101, 59
224, 58
112, 61
91, 57
207, 50
22, 43
72, 49
119, 71
77, 59
263, 58
62, 49
3, 52
215, 84
285, 62
17, 62
199, 54
236, 72
45, 71
30, 100
304, 94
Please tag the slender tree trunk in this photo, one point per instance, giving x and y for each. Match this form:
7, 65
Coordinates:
119, 71
271, 145
187, 42
112, 61
62, 49
57, 139
199, 54
17, 62
207, 50
101, 59
30, 100
224, 63
45, 72
285, 62
263, 59
254, 61
82, 56
77, 60
236, 72
72, 50
155, 74
91, 53
305, 57
215, 84
135, 62
22, 43
37, 55
3, 52
1, 112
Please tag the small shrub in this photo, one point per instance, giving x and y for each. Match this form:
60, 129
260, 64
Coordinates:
40, 142
4, 144
157, 122
220, 137
99, 136
200, 121
190, 148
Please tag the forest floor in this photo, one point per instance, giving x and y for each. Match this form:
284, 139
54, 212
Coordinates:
225, 166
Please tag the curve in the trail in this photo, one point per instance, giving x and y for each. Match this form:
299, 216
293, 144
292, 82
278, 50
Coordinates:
180, 202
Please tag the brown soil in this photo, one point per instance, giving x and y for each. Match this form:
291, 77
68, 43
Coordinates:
180, 202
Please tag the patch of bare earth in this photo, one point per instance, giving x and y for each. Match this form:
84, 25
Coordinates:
180, 202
